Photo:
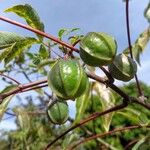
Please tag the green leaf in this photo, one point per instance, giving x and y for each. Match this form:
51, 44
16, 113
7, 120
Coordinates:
36, 60
74, 29
144, 120
130, 116
29, 14
139, 45
4, 104
107, 100
17, 48
7, 39
43, 52
63, 32
136, 116
81, 104
30, 55
147, 12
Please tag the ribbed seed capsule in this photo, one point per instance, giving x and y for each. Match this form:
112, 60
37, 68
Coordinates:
58, 112
67, 79
98, 49
123, 68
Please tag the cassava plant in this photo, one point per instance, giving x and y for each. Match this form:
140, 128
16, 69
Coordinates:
68, 71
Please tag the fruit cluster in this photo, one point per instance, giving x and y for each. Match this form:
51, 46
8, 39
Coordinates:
68, 80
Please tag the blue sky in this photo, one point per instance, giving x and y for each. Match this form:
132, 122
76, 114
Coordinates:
88, 15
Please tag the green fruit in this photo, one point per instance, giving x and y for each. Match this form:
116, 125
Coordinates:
98, 49
58, 112
67, 79
123, 68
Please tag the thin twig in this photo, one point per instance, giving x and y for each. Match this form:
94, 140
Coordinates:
39, 32
1, 74
131, 143
109, 76
105, 134
130, 46
21, 88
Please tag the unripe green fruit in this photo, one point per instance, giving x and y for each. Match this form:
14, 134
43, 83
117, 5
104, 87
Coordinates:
123, 68
58, 112
98, 49
67, 79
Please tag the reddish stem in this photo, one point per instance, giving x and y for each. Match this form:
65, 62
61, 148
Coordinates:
105, 134
21, 88
39, 32
34, 88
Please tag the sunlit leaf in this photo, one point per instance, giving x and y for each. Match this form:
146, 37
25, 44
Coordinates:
5, 102
144, 120
107, 100
29, 14
129, 116
3, 106
135, 116
81, 104
7, 39
139, 45
17, 48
